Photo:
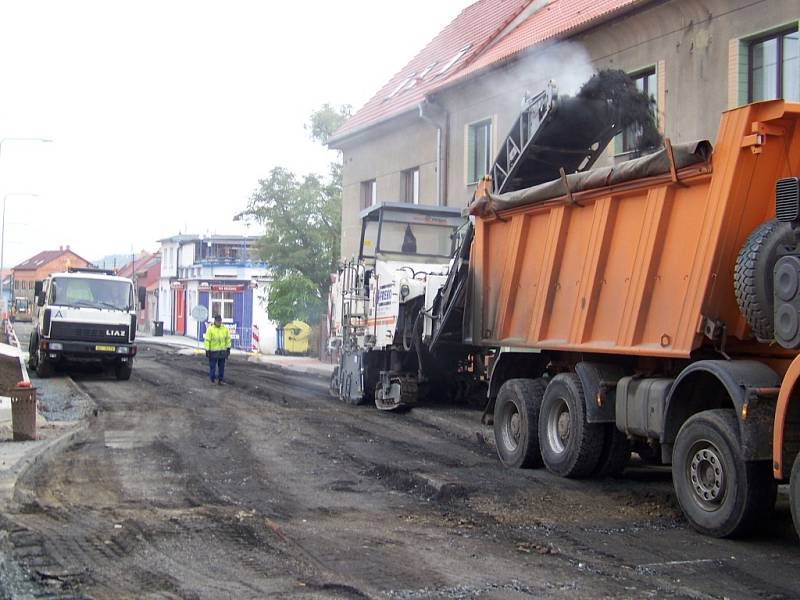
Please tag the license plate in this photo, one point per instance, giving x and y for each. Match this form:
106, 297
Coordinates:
105, 348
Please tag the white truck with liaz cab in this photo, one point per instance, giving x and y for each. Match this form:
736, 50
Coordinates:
84, 315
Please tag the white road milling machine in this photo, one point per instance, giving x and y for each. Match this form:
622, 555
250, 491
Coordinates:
379, 301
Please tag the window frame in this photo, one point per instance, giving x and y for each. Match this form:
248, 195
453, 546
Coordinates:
368, 193
644, 74
777, 35
410, 185
221, 299
470, 171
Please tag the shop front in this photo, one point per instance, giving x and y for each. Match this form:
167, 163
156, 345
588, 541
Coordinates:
233, 301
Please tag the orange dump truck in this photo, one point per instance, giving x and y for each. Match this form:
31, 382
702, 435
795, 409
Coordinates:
653, 306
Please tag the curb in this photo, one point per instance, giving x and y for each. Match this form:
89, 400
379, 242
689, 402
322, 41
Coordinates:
12, 337
10, 496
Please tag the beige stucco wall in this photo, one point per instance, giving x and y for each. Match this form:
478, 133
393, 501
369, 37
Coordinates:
408, 143
696, 46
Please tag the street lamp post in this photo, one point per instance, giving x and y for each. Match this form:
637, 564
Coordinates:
3, 244
3, 228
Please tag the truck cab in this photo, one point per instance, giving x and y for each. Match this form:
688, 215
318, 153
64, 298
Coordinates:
84, 315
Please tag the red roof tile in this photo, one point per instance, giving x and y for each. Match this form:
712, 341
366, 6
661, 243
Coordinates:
478, 26
43, 258
559, 18
475, 26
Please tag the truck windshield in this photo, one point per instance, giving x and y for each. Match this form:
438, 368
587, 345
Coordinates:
94, 293
417, 238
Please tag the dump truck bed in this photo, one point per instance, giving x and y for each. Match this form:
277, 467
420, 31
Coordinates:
632, 268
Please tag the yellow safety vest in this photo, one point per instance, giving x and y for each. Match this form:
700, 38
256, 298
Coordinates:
217, 338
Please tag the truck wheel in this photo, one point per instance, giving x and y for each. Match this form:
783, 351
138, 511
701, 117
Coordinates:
44, 368
33, 345
720, 493
615, 454
516, 422
570, 445
753, 277
123, 372
794, 493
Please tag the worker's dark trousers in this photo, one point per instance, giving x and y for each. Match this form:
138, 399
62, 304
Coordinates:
215, 363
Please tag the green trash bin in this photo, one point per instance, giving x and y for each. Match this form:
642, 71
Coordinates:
23, 412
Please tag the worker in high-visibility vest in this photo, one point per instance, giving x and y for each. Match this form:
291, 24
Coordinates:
217, 341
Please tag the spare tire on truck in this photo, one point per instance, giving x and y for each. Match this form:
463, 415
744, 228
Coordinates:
753, 277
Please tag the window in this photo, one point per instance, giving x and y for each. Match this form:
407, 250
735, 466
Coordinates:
409, 189
446, 67
222, 304
645, 82
369, 193
774, 66
479, 150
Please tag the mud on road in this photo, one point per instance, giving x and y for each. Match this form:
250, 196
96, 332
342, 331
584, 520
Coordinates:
268, 488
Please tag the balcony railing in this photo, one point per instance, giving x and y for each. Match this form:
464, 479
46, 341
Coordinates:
230, 262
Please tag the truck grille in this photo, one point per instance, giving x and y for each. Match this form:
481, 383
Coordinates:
85, 332
787, 199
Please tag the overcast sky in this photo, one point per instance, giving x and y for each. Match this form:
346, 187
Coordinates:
164, 114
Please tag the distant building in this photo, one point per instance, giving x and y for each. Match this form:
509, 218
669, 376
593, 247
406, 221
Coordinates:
221, 274
27, 273
145, 271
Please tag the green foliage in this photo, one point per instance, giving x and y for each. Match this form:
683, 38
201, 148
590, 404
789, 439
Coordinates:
301, 217
293, 297
327, 119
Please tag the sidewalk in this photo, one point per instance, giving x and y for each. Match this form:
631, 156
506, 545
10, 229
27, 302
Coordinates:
60, 419
298, 364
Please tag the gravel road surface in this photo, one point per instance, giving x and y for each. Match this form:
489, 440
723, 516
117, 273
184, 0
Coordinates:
268, 488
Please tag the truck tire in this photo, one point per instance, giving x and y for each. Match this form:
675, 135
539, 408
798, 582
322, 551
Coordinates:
615, 454
123, 372
33, 345
794, 493
753, 277
570, 445
720, 493
44, 368
516, 422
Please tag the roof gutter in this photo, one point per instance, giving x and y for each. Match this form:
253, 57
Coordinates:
435, 114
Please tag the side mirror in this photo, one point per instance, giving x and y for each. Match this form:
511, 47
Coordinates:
142, 291
38, 293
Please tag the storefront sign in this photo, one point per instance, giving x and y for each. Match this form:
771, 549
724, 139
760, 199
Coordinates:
176, 285
227, 287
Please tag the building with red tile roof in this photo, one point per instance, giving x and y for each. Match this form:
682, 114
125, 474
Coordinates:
39, 266
434, 128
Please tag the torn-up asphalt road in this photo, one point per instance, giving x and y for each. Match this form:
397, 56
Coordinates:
268, 488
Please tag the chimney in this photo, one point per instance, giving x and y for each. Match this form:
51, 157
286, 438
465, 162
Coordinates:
67, 247
61, 248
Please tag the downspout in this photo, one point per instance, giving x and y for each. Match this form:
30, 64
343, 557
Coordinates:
435, 114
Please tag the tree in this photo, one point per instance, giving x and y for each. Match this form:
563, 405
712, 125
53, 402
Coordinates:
327, 119
302, 221
293, 297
